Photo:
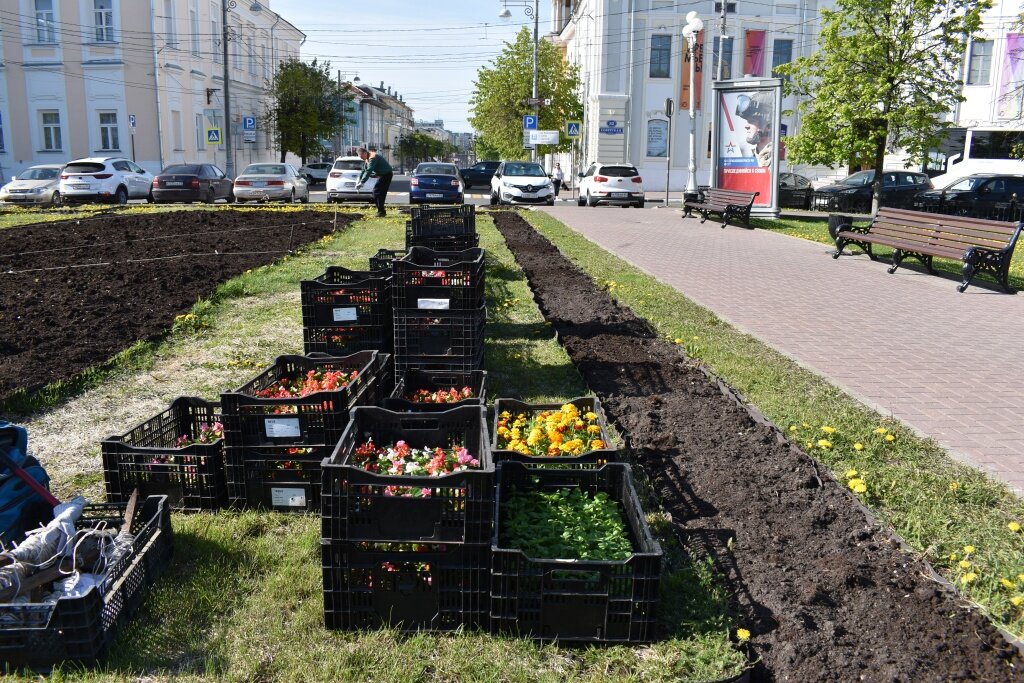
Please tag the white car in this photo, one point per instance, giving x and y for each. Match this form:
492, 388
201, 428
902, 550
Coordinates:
521, 182
617, 183
270, 182
316, 172
104, 179
36, 185
341, 181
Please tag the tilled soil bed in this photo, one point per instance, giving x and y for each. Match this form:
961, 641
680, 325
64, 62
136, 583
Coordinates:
75, 293
828, 594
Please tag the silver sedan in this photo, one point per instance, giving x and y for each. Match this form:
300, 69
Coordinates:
270, 182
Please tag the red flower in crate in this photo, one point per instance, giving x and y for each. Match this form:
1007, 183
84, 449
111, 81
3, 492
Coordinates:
451, 395
402, 459
312, 382
207, 433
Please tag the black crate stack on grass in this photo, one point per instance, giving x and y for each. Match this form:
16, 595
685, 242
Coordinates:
344, 311
274, 446
178, 453
409, 550
440, 310
448, 228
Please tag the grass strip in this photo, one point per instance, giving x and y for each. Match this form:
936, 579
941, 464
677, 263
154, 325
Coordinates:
960, 520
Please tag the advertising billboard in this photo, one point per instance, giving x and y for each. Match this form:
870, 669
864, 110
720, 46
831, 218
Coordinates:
747, 132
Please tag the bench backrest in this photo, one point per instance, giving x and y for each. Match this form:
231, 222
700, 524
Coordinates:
951, 232
715, 195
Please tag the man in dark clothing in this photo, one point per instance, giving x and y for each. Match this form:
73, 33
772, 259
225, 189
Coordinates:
375, 165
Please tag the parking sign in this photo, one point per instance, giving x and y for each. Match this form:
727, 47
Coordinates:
529, 122
248, 123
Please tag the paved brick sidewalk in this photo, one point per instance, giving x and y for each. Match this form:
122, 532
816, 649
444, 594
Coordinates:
949, 365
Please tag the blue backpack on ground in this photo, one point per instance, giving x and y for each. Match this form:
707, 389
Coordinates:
20, 506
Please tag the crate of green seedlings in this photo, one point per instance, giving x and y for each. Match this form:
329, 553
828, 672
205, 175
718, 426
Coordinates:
573, 558
572, 435
431, 391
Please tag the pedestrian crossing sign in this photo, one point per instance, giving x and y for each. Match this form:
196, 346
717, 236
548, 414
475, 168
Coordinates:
213, 136
572, 129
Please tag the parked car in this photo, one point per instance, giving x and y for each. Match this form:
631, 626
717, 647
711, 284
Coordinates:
35, 185
795, 191
521, 182
479, 173
192, 183
616, 183
982, 195
316, 172
104, 179
853, 193
341, 181
435, 183
271, 182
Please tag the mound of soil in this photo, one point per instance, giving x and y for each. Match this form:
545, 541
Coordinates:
828, 595
75, 293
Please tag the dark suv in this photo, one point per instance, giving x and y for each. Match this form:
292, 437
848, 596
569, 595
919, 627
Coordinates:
479, 173
853, 193
982, 195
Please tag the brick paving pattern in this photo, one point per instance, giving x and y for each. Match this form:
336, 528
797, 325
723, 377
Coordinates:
948, 365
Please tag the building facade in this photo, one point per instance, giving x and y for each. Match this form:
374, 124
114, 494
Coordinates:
142, 79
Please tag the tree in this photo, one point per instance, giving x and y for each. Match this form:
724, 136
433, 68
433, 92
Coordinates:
306, 107
887, 73
497, 105
417, 146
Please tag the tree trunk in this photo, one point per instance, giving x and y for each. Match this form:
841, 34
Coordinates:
882, 134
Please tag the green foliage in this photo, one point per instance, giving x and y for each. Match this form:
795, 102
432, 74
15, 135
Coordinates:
567, 524
306, 106
418, 146
497, 104
886, 74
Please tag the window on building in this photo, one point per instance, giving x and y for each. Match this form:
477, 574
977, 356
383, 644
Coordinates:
193, 27
234, 37
782, 53
3, 148
726, 58
785, 9
215, 34
663, 4
51, 131
170, 35
103, 20
108, 131
980, 63
730, 8
45, 23
266, 62
177, 131
200, 133
251, 49
661, 56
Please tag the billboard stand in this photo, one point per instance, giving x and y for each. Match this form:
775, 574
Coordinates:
745, 155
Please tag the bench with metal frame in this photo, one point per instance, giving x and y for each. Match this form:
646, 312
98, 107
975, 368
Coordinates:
731, 204
983, 246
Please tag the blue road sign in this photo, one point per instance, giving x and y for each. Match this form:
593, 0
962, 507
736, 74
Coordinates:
611, 123
248, 123
213, 136
610, 130
529, 122
131, 121
572, 129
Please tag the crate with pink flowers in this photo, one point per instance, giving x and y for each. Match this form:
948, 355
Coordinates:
410, 586
410, 477
572, 435
177, 453
429, 391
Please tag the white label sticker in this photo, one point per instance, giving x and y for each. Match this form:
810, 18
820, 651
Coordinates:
433, 304
293, 498
282, 426
345, 314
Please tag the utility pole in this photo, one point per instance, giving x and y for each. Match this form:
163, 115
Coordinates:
536, 103
718, 77
229, 162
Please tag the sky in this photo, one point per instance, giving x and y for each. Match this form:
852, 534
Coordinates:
429, 50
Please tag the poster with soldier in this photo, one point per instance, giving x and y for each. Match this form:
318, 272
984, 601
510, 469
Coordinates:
748, 134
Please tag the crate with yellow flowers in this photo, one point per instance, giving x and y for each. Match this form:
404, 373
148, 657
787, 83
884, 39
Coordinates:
571, 435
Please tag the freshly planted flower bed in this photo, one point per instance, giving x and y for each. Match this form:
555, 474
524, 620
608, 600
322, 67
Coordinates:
573, 434
425, 391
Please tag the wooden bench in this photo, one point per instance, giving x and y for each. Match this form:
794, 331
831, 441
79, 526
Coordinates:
984, 246
730, 203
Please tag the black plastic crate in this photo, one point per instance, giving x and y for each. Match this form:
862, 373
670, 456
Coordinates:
40, 635
576, 600
439, 363
438, 587
442, 242
346, 297
147, 458
414, 380
383, 258
361, 505
341, 340
443, 220
443, 336
318, 419
287, 479
434, 280
588, 459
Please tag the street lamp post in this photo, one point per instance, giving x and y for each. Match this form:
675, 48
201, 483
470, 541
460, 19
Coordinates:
534, 13
225, 6
693, 27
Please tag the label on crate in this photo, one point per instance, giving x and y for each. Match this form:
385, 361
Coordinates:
277, 427
432, 304
285, 497
346, 314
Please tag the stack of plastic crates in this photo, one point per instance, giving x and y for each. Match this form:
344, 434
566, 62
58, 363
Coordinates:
275, 439
402, 547
439, 311
344, 311
177, 453
448, 228
435, 391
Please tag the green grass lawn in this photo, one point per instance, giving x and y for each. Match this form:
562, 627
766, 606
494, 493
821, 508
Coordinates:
941, 507
242, 600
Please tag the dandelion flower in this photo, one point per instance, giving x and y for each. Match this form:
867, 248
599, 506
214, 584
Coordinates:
953, 486
696, 338
1013, 526
1007, 583
968, 549
890, 438
1016, 600
965, 564
806, 425
850, 474
860, 488
968, 578
679, 340
881, 430
809, 445
828, 430
1020, 577
792, 428
952, 557
825, 443
858, 446
742, 634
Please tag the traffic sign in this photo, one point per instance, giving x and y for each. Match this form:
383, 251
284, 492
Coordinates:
248, 123
131, 121
213, 136
526, 140
572, 129
543, 137
529, 122
248, 136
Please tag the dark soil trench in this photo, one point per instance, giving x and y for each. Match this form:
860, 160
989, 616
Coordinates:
827, 594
